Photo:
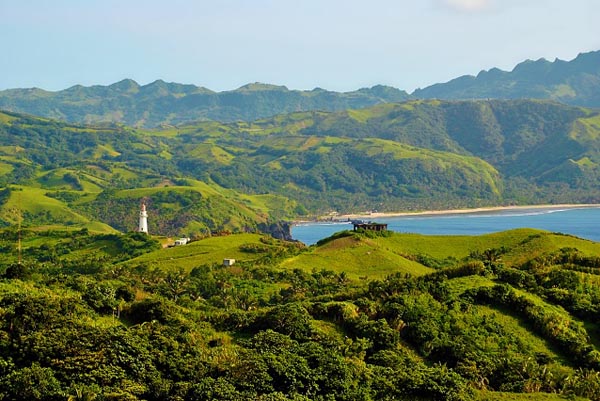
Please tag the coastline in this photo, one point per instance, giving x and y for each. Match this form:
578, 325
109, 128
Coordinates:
375, 215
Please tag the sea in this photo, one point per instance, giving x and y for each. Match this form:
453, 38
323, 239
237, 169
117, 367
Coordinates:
582, 222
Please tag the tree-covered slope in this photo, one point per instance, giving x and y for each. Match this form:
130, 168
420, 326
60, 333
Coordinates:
464, 318
407, 156
538, 151
521, 137
170, 103
574, 82
84, 176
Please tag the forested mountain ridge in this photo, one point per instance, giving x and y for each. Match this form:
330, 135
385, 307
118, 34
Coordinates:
575, 82
161, 102
416, 155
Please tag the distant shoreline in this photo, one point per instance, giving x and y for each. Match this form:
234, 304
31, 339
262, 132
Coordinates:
375, 215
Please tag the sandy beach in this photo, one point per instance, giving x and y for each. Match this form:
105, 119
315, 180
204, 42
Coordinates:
375, 215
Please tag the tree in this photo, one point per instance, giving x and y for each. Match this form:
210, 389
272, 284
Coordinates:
31, 383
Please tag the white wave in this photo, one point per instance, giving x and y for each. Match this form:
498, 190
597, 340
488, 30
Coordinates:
332, 223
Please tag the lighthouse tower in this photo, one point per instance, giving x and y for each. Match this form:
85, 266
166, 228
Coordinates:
143, 219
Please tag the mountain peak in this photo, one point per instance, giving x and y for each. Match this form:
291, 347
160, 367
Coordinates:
575, 82
259, 86
530, 65
125, 85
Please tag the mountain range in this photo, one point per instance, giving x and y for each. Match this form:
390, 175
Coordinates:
160, 103
575, 82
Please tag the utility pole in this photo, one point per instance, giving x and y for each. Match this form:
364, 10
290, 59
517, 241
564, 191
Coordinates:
17, 215
19, 237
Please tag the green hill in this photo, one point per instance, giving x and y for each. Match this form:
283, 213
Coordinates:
381, 157
211, 176
96, 177
360, 316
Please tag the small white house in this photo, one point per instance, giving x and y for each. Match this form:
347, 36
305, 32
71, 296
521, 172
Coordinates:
181, 241
228, 262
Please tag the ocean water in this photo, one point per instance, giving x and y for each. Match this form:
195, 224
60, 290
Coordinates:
582, 222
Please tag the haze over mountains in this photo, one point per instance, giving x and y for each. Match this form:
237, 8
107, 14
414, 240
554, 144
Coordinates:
575, 82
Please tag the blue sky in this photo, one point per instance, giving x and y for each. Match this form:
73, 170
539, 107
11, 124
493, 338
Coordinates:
303, 44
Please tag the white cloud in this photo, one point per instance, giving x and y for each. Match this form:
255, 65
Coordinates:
468, 5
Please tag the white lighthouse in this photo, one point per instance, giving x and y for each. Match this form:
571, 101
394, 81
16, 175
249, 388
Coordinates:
143, 219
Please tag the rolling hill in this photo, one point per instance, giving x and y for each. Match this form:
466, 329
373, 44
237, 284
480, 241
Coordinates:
504, 316
209, 176
412, 155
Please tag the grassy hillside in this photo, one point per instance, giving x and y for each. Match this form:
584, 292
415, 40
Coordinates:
356, 258
209, 176
209, 251
361, 316
533, 151
95, 177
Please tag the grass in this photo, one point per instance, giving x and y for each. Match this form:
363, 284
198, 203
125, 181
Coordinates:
33, 201
362, 115
54, 179
267, 203
207, 251
7, 119
586, 129
499, 396
461, 284
5, 168
445, 160
42, 212
208, 151
107, 150
375, 258
563, 90
523, 244
456, 246
358, 258
544, 243
522, 330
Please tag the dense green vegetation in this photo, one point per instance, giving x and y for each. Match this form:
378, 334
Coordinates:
507, 316
87, 312
238, 177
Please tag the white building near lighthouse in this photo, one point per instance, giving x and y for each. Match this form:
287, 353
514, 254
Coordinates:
143, 228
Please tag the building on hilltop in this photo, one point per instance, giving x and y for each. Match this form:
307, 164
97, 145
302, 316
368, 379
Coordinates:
370, 226
143, 228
